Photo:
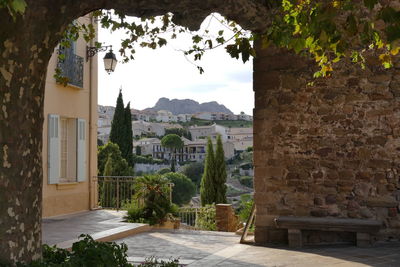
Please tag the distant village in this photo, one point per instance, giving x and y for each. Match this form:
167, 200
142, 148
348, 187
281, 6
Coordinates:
149, 125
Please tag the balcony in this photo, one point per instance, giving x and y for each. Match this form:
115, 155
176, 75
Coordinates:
72, 68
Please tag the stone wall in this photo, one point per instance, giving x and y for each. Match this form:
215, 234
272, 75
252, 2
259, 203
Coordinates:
225, 218
327, 149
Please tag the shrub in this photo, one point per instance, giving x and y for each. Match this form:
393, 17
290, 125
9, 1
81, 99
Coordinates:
244, 210
136, 213
87, 252
184, 189
205, 219
152, 201
154, 262
120, 165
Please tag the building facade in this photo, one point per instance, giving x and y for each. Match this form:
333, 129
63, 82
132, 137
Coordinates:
70, 132
212, 131
191, 151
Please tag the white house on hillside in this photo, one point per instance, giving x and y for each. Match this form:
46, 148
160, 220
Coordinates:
212, 131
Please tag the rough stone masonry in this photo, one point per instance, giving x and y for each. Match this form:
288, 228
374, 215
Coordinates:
327, 149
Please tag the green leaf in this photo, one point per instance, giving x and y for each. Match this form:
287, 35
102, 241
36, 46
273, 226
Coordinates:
196, 39
18, 6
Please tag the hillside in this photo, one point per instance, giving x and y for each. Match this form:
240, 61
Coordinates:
188, 106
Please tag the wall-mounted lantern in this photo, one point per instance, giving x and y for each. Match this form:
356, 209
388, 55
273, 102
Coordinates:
110, 60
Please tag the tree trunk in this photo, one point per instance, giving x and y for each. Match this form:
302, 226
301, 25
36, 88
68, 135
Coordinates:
26, 45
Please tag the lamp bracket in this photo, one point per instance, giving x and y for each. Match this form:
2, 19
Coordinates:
93, 50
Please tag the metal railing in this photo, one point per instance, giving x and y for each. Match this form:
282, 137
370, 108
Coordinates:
115, 192
188, 217
72, 67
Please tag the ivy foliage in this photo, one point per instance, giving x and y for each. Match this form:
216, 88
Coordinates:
326, 30
14, 7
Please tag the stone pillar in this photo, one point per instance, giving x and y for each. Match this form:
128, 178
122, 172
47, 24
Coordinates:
226, 219
327, 149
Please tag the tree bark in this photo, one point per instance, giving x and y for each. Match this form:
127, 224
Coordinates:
26, 45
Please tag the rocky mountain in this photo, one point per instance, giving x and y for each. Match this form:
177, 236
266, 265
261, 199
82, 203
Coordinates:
188, 106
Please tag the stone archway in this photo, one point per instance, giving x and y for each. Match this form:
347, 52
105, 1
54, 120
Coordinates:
331, 149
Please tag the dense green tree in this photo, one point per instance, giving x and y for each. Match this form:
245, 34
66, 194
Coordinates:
207, 189
184, 189
121, 129
128, 136
194, 171
117, 133
220, 173
111, 163
120, 165
174, 143
182, 132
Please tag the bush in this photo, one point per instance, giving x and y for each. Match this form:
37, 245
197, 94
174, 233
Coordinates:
154, 262
151, 201
184, 189
136, 214
205, 219
244, 210
87, 252
120, 165
246, 181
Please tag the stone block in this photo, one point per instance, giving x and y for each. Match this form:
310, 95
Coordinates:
295, 238
383, 201
364, 240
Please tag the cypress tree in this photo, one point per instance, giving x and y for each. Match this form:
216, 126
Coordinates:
128, 137
118, 128
220, 173
121, 129
207, 190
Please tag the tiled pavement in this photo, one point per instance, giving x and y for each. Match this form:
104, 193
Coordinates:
65, 228
202, 248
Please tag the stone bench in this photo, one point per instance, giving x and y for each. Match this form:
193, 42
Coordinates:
362, 228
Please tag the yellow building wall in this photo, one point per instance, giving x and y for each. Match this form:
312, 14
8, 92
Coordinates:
72, 102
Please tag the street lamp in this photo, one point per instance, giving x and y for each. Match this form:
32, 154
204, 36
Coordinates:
110, 60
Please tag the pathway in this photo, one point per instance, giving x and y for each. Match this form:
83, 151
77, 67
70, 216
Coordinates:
203, 248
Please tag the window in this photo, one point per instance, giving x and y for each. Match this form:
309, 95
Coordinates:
71, 66
66, 149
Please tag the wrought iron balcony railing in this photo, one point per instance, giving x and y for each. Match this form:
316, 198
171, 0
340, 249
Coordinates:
72, 68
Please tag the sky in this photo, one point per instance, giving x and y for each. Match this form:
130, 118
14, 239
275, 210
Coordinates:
165, 72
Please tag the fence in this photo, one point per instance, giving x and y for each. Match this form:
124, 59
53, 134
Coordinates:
115, 192
188, 218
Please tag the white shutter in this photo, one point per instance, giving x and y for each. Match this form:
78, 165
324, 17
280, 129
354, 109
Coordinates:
81, 150
53, 162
